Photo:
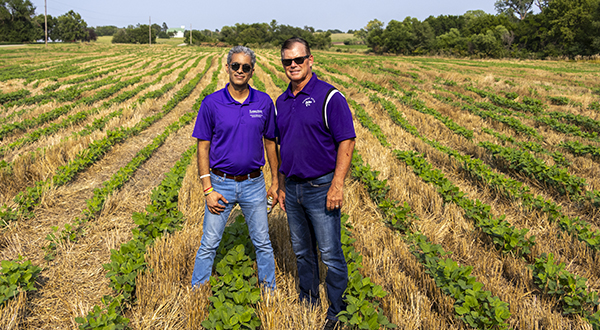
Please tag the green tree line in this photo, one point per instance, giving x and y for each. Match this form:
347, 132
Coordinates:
559, 28
260, 35
18, 23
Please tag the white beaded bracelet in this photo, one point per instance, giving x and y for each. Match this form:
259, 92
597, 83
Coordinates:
204, 176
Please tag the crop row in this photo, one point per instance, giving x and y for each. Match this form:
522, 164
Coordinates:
43, 118
362, 310
114, 66
62, 69
69, 94
57, 112
71, 231
29, 198
82, 115
523, 161
95, 203
505, 237
550, 119
574, 147
574, 299
535, 147
276, 80
511, 188
472, 305
161, 216
564, 183
482, 111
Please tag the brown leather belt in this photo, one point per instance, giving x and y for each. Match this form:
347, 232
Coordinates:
251, 175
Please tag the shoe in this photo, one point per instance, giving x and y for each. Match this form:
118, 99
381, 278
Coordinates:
331, 325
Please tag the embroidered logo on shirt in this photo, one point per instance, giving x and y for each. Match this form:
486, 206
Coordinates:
308, 101
256, 113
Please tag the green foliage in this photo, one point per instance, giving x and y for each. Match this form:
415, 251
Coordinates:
571, 289
276, 80
258, 84
558, 100
71, 27
108, 317
362, 311
505, 237
14, 96
16, 276
141, 34
16, 21
473, 305
579, 149
535, 168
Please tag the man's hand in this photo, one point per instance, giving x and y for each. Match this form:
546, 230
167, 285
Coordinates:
212, 201
281, 198
273, 193
335, 197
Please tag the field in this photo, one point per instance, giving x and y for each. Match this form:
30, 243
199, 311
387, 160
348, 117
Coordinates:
472, 200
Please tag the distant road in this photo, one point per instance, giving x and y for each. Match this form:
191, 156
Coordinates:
13, 45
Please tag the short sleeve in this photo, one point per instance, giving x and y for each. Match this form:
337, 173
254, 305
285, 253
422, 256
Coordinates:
339, 118
203, 129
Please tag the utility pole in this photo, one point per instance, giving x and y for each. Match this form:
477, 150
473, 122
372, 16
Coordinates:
149, 30
46, 21
191, 41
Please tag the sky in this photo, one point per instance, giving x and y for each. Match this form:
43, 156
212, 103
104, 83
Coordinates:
343, 15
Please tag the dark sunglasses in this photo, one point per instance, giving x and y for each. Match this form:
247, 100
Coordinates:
236, 66
298, 60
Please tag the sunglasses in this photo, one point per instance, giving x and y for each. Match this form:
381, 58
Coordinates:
298, 60
236, 66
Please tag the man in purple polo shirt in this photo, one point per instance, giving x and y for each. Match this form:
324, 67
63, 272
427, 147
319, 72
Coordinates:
231, 126
316, 137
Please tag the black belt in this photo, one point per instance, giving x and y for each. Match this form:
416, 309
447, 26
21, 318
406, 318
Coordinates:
301, 180
251, 175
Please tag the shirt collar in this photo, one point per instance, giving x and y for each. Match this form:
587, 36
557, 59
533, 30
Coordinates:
308, 88
230, 100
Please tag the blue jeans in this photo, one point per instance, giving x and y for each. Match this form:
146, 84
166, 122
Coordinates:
252, 197
311, 224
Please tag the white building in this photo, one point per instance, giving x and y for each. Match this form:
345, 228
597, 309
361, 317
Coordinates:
178, 32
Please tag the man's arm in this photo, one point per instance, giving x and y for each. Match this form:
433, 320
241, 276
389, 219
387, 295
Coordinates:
271, 148
212, 200
335, 195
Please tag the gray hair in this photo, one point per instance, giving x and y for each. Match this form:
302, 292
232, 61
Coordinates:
241, 49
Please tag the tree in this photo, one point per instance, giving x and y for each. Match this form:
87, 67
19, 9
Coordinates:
570, 26
156, 28
134, 35
321, 40
374, 32
452, 41
71, 27
519, 8
91, 35
17, 21
164, 27
198, 37
108, 30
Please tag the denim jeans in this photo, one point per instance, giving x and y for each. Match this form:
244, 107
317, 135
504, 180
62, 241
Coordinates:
251, 195
311, 224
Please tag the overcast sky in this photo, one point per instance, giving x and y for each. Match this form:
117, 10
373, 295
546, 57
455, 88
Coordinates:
323, 14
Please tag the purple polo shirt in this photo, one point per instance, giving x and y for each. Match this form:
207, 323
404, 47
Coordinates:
308, 148
235, 130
